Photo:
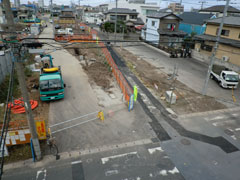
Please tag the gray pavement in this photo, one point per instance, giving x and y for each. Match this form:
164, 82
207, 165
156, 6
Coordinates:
190, 71
140, 162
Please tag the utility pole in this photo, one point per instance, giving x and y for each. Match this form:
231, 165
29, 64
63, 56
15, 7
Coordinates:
115, 28
215, 49
23, 87
202, 2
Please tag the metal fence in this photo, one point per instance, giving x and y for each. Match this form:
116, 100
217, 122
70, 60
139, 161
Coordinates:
5, 65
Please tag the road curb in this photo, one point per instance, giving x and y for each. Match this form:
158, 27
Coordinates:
74, 154
156, 49
209, 112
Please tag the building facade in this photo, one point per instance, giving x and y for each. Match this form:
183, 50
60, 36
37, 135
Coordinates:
176, 8
229, 44
162, 29
41, 3
16, 3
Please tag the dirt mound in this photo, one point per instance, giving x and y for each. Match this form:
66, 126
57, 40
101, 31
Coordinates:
99, 73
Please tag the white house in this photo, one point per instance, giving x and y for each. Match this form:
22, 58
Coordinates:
92, 16
142, 8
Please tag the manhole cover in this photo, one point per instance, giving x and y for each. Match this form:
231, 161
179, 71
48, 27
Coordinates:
185, 142
228, 132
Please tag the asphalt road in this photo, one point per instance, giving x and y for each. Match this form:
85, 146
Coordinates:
190, 71
148, 161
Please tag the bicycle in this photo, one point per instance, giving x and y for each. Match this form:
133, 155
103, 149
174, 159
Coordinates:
52, 143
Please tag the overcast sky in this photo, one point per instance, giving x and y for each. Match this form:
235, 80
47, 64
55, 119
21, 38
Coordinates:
187, 3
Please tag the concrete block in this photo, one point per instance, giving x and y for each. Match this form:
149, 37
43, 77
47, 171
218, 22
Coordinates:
171, 97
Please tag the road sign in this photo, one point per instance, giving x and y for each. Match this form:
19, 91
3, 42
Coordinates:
41, 130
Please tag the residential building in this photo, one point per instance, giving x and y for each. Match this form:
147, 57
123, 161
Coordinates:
218, 11
137, 1
103, 7
67, 18
41, 3
143, 9
92, 16
176, 8
162, 30
56, 11
130, 17
25, 12
2, 16
229, 44
194, 22
16, 3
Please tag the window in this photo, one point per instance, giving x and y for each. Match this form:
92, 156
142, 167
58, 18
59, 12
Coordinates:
153, 23
239, 36
133, 16
147, 21
171, 27
206, 47
224, 32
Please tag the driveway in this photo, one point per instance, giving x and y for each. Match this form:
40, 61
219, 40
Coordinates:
190, 72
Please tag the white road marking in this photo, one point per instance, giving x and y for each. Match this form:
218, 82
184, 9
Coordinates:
163, 172
152, 150
174, 171
106, 159
214, 118
40, 172
234, 137
237, 129
235, 114
111, 172
76, 162
222, 123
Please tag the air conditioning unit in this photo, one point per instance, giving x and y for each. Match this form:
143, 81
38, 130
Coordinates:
225, 58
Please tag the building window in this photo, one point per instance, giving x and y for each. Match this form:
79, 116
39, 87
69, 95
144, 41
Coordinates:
206, 47
153, 23
171, 27
224, 32
239, 36
133, 16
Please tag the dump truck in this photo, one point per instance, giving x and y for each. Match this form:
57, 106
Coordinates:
225, 77
51, 84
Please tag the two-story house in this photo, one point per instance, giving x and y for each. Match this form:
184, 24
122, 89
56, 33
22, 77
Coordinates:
218, 10
130, 17
162, 29
229, 44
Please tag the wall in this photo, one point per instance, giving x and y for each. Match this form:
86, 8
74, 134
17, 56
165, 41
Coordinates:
151, 31
169, 20
189, 28
233, 54
140, 8
233, 34
5, 65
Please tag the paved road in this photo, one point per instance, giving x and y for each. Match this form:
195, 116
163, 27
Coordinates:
191, 72
148, 161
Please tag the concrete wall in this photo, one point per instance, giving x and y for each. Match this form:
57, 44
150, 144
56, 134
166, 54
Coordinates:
206, 59
5, 65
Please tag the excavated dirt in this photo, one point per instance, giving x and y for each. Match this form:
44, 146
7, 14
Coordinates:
94, 64
188, 101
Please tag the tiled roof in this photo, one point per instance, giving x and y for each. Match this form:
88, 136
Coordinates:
194, 17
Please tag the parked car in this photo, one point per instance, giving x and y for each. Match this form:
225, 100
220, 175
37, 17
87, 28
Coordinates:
57, 27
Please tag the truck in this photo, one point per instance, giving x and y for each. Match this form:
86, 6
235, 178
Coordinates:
51, 84
67, 31
225, 77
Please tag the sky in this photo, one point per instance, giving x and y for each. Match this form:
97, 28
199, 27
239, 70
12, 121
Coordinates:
188, 4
